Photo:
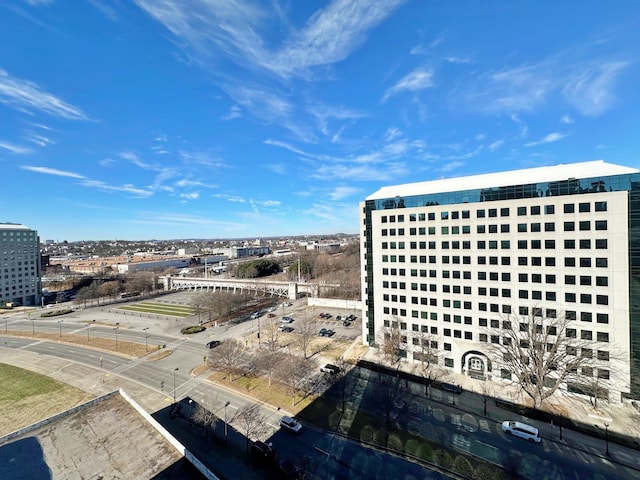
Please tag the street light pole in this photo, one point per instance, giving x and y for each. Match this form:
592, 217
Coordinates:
33, 327
60, 328
606, 437
116, 331
174, 384
225, 421
146, 348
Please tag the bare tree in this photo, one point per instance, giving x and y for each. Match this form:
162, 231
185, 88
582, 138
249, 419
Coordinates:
426, 351
205, 418
540, 353
386, 394
231, 357
293, 373
306, 334
252, 421
218, 304
269, 333
199, 305
109, 289
268, 361
393, 343
344, 384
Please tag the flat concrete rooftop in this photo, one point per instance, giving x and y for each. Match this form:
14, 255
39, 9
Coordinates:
92, 444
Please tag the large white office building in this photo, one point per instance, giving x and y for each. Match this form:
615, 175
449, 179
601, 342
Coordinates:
456, 257
20, 273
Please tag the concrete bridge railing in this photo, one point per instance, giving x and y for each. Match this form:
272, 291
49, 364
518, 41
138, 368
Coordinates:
289, 290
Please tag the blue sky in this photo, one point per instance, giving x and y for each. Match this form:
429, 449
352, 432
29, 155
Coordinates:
164, 119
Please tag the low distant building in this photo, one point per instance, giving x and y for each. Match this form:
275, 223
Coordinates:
20, 276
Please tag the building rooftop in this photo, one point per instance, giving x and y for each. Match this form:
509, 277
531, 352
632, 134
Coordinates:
591, 169
90, 443
13, 226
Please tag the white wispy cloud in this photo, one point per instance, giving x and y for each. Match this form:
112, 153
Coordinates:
234, 112
270, 203
450, 166
586, 85
417, 80
362, 172
28, 97
161, 218
190, 196
39, 140
133, 158
13, 148
549, 138
454, 59
185, 183
279, 168
126, 188
230, 198
590, 88
566, 120
287, 146
239, 31
496, 145
332, 34
342, 192
52, 171
325, 113
392, 133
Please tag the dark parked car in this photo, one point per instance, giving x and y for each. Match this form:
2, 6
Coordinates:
213, 343
288, 469
263, 452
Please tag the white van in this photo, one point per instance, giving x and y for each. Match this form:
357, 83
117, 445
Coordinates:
521, 430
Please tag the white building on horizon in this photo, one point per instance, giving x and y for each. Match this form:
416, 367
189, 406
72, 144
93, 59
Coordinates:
454, 257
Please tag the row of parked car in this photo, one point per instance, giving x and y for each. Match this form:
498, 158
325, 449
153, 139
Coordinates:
346, 320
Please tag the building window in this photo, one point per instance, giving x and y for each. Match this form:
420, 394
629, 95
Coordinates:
601, 224
584, 207
569, 226
584, 225
600, 206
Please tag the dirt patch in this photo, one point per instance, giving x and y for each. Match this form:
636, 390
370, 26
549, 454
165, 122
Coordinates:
129, 349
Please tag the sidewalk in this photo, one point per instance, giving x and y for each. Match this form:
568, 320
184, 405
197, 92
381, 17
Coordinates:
622, 419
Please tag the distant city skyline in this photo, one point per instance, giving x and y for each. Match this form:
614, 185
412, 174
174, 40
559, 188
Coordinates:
179, 119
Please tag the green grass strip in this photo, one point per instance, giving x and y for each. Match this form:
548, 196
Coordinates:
18, 384
158, 311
